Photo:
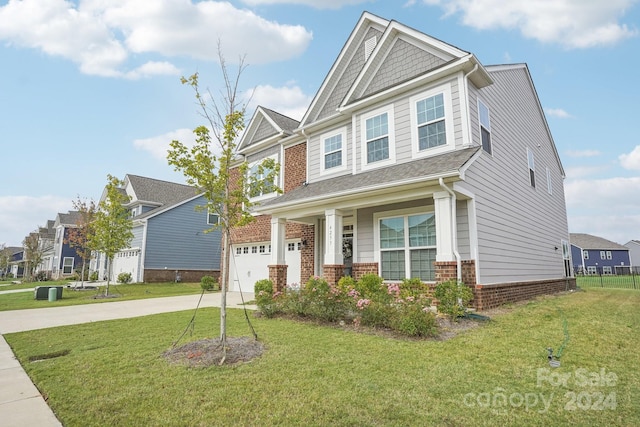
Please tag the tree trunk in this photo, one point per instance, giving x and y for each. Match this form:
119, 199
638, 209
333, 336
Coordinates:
106, 290
224, 279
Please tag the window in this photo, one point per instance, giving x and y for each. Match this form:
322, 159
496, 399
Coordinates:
291, 247
238, 251
603, 255
377, 139
485, 126
245, 250
67, 265
606, 269
592, 269
585, 254
262, 249
608, 254
259, 174
333, 153
407, 246
254, 249
549, 184
212, 218
532, 168
431, 124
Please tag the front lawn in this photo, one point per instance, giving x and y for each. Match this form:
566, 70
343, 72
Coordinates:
24, 300
113, 373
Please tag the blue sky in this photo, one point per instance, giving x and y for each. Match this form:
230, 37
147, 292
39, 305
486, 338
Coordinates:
92, 87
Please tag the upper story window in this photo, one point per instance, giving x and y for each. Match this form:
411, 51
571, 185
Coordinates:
212, 218
333, 151
431, 125
485, 126
261, 174
603, 255
549, 183
585, 254
378, 146
532, 168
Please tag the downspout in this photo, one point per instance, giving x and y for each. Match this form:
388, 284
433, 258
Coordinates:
454, 228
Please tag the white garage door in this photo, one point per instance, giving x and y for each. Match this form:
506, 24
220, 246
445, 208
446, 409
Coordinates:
249, 263
126, 262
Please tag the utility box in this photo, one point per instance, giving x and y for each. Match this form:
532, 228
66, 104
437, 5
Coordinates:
53, 294
44, 292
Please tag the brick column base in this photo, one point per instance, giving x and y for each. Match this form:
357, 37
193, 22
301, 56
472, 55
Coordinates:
332, 273
448, 270
278, 276
362, 268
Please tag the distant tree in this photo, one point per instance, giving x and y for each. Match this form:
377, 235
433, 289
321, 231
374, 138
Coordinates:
208, 167
5, 259
32, 254
79, 237
111, 231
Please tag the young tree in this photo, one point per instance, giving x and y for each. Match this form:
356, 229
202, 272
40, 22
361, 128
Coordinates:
209, 168
5, 259
80, 236
111, 231
32, 254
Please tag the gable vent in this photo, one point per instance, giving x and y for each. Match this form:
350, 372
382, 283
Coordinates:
369, 45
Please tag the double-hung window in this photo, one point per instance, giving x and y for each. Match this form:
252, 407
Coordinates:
532, 168
407, 246
485, 126
333, 151
260, 183
431, 122
212, 218
377, 138
67, 265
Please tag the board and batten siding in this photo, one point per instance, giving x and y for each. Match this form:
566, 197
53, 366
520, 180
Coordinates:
176, 240
519, 227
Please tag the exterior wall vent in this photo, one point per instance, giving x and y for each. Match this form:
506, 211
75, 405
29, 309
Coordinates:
369, 45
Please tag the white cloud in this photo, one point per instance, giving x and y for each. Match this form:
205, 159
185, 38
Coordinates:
288, 100
20, 215
570, 23
158, 145
318, 4
614, 227
617, 193
583, 153
575, 172
105, 37
631, 161
558, 112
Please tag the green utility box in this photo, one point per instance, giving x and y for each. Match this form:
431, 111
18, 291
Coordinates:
47, 292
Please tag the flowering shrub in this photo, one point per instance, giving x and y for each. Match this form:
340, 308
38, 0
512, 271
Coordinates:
453, 298
403, 307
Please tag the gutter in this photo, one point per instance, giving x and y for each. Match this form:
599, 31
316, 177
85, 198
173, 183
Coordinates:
454, 228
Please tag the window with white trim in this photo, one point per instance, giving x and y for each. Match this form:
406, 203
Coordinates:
591, 269
549, 183
212, 218
485, 126
260, 174
609, 255
585, 254
407, 245
67, 265
532, 168
607, 269
333, 150
603, 255
378, 147
431, 122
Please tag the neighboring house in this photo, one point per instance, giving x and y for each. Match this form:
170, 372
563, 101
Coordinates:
47, 245
65, 259
595, 255
16, 265
169, 240
634, 254
413, 160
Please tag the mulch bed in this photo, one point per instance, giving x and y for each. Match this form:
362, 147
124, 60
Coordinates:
208, 352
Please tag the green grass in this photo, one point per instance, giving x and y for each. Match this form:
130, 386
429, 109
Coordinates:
8, 286
612, 282
114, 374
24, 300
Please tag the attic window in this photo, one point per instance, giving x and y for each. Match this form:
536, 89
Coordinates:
369, 45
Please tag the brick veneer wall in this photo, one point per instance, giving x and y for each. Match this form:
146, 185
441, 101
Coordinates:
157, 276
278, 276
359, 269
332, 273
490, 296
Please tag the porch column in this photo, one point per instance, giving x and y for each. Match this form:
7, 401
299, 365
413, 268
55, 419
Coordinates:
278, 265
333, 267
444, 227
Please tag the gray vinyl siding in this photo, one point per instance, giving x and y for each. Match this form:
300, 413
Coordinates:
314, 154
271, 151
265, 130
176, 240
462, 215
518, 226
138, 232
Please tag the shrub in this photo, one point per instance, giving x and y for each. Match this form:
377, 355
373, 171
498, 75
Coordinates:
93, 276
370, 286
42, 276
415, 319
208, 283
124, 278
265, 298
453, 297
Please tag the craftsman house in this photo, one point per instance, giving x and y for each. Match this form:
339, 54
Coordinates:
414, 160
169, 243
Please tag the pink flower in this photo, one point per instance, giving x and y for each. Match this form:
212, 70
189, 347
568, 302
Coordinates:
362, 303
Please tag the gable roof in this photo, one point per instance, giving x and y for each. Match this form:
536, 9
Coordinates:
266, 126
158, 192
588, 241
422, 170
70, 218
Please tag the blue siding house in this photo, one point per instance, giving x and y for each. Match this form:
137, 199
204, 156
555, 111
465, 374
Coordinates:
170, 242
595, 255
65, 257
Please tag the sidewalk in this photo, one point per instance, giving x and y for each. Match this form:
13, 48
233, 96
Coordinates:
20, 402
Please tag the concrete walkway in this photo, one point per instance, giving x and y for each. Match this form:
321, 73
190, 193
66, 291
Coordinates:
21, 404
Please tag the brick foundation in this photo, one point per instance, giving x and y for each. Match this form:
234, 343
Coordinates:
190, 276
278, 276
361, 268
332, 273
490, 296
448, 270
